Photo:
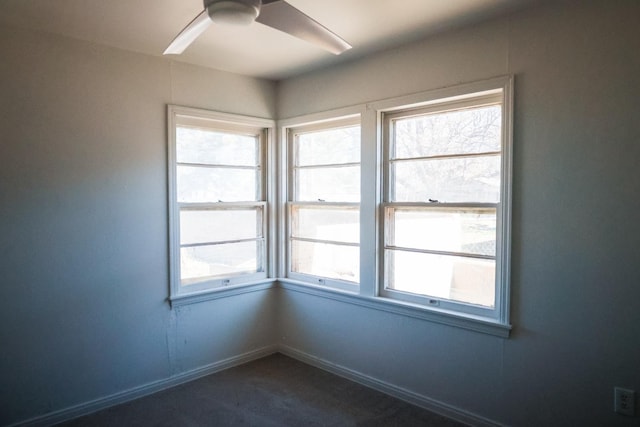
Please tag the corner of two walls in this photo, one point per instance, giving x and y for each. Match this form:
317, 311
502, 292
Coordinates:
83, 205
575, 229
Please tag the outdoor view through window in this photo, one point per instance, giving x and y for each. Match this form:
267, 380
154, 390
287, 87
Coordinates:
219, 198
443, 195
324, 209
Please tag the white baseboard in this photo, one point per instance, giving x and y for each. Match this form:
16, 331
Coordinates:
425, 402
143, 390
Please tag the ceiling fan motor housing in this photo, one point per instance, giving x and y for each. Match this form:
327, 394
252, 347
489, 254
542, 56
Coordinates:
236, 12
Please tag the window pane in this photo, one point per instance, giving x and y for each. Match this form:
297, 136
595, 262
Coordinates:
211, 147
340, 225
341, 184
333, 146
206, 262
206, 184
208, 226
473, 130
469, 179
467, 280
326, 260
470, 231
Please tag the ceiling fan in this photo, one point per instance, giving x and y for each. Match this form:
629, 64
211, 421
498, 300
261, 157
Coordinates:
277, 14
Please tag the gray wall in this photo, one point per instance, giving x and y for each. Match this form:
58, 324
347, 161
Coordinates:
83, 225
576, 229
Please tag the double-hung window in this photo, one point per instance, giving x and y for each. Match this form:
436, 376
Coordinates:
217, 191
403, 202
445, 210
323, 203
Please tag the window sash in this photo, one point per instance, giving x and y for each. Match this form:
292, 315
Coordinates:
253, 183
377, 120
227, 271
438, 301
297, 133
338, 242
258, 207
310, 183
218, 123
390, 229
326, 271
296, 203
390, 204
296, 207
254, 135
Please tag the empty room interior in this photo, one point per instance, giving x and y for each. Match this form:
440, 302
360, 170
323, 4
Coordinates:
446, 210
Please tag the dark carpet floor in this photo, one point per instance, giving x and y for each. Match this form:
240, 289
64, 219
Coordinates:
274, 391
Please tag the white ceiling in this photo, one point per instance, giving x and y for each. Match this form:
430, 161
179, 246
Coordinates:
148, 26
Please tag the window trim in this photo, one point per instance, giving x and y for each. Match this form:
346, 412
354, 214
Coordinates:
401, 308
435, 100
298, 127
239, 277
431, 301
372, 208
223, 286
367, 295
388, 123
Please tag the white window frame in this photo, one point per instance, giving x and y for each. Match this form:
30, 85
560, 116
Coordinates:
475, 94
389, 205
371, 293
292, 132
261, 128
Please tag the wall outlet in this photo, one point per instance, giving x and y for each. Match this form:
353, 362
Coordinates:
624, 401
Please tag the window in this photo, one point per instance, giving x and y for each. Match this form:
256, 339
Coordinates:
404, 203
446, 208
218, 227
323, 206
407, 205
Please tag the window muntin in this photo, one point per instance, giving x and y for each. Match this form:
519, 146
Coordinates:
443, 211
202, 225
391, 248
337, 146
340, 183
205, 262
221, 241
213, 147
455, 132
325, 222
202, 184
326, 261
446, 277
217, 196
451, 179
462, 230
323, 206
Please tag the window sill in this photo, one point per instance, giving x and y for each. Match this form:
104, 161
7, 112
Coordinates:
221, 292
472, 323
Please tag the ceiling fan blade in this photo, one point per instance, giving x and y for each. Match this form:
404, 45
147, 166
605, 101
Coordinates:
189, 34
282, 16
